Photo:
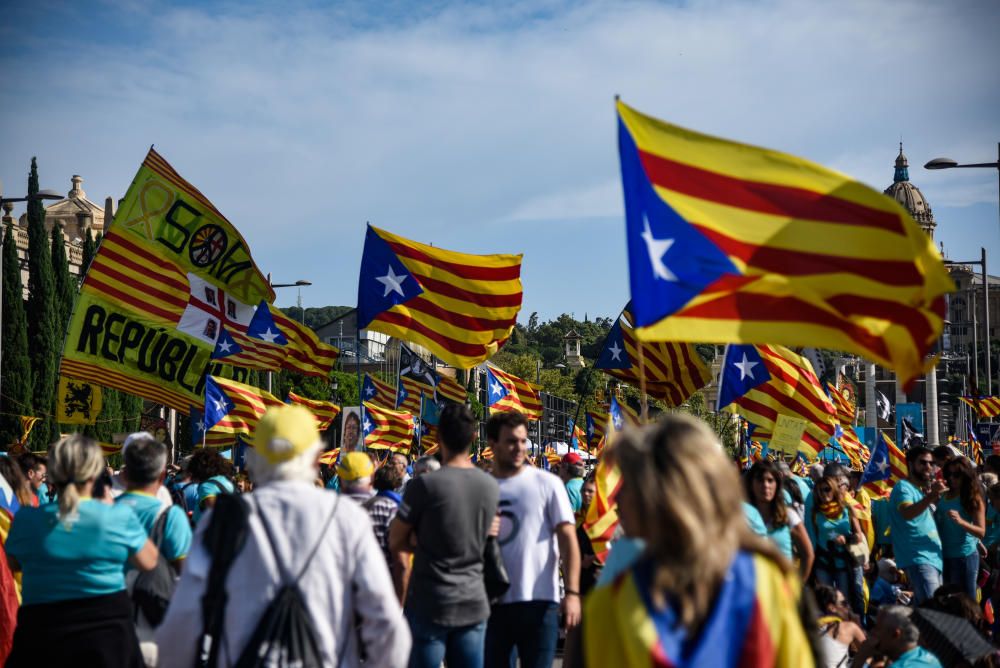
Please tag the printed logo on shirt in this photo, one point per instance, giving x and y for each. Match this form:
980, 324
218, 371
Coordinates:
510, 524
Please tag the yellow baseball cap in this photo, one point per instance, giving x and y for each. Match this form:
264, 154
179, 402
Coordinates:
354, 466
284, 432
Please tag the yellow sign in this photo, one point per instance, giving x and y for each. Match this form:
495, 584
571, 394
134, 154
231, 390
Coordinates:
77, 402
787, 434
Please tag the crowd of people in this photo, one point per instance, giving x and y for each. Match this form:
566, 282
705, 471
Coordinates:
386, 562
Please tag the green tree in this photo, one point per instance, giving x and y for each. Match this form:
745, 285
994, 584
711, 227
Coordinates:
109, 420
89, 251
16, 365
64, 283
43, 317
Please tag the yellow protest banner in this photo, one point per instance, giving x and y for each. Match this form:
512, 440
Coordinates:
787, 434
77, 401
169, 276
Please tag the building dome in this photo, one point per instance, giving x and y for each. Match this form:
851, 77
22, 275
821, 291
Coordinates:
909, 196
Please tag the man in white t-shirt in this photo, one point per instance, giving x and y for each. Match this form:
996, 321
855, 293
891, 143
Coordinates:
536, 532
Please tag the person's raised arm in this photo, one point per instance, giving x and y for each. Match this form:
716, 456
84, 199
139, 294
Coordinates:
910, 511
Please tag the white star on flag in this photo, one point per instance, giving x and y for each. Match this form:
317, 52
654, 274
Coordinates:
392, 282
367, 425
618, 421
370, 390
657, 248
269, 336
199, 426
220, 405
745, 367
496, 388
225, 346
882, 466
615, 351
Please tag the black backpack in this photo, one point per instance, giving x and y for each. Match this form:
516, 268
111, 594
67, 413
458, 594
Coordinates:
152, 590
285, 634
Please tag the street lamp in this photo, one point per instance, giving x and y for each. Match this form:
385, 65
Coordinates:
302, 315
948, 163
40, 195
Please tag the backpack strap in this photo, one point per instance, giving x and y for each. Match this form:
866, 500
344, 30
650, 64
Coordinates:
159, 528
270, 539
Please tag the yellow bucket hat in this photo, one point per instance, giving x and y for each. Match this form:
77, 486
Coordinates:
354, 466
284, 432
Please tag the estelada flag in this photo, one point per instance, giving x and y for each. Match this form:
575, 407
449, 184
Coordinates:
77, 401
602, 515
235, 408
377, 392
730, 243
985, 407
409, 393
170, 274
274, 341
763, 382
387, 429
461, 307
507, 392
886, 467
325, 411
673, 371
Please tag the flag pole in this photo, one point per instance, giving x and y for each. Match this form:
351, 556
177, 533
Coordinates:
643, 401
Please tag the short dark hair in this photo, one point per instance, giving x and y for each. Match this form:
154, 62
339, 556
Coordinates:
29, 461
206, 463
916, 451
457, 426
498, 421
835, 470
943, 452
387, 478
145, 459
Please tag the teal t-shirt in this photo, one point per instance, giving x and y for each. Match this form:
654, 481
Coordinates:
782, 537
210, 489
955, 541
80, 556
176, 531
918, 657
573, 488
754, 519
916, 541
881, 520
822, 531
992, 527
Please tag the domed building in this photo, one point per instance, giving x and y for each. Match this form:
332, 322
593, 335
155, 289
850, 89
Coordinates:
909, 195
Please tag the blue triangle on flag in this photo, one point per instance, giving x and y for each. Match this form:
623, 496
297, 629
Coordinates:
878, 466
670, 261
742, 370
263, 327
197, 417
384, 281
613, 355
217, 403
401, 394
617, 418
225, 345
497, 389
367, 424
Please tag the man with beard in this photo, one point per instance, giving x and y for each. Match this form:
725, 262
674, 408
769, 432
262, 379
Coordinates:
914, 534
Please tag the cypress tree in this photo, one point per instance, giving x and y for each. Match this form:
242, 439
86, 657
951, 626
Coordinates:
89, 251
110, 419
64, 283
42, 320
16, 365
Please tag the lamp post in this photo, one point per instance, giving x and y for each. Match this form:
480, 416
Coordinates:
40, 195
302, 316
948, 163
986, 324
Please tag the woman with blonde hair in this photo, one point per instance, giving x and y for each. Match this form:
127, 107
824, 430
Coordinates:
706, 591
73, 553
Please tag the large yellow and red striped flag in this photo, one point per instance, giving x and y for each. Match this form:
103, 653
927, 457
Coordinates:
461, 307
764, 382
673, 371
507, 392
387, 429
730, 243
325, 411
170, 274
377, 392
845, 409
235, 408
985, 407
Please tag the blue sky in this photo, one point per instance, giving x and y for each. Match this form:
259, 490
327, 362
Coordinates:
487, 129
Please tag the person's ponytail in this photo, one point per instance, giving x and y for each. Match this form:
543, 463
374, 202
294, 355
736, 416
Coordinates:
73, 461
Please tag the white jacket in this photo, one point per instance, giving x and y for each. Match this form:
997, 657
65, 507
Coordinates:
347, 577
